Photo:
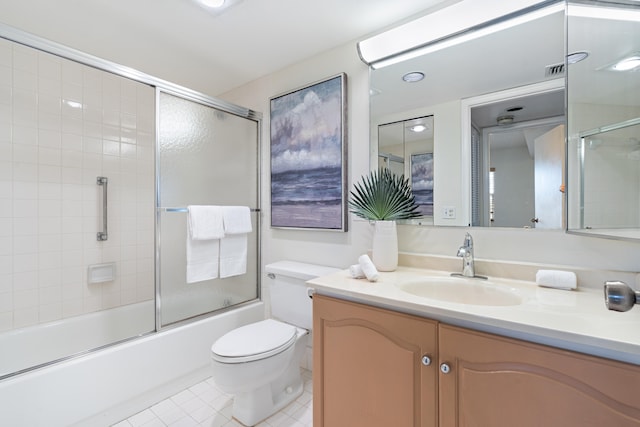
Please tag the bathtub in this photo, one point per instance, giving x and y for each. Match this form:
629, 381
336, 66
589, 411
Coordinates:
103, 387
39, 344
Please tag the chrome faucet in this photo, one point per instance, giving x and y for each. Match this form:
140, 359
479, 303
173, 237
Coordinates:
466, 252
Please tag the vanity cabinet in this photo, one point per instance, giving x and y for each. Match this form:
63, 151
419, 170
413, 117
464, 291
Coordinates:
368, 371
372, 367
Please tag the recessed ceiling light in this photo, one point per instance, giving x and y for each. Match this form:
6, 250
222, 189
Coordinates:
413, 76
418, 128
574, 57
213, 3
628, 63
505, 120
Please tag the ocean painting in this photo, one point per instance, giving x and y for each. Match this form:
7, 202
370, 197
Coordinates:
307, 157
422, 182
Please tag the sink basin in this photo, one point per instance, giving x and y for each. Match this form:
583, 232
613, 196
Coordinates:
462, 291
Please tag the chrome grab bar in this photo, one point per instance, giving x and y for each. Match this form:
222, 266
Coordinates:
103, 181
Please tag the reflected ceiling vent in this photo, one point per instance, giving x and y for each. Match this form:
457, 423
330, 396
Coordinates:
554, 70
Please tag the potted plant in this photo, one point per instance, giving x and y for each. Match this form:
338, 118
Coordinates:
384, 197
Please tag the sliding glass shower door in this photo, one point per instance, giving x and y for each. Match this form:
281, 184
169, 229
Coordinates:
206, 156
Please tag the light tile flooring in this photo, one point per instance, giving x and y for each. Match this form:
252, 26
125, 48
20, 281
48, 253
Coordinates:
204, 405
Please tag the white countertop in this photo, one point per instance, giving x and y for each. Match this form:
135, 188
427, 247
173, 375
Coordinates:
575, 320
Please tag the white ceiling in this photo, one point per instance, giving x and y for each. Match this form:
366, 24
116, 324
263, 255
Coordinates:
216, 51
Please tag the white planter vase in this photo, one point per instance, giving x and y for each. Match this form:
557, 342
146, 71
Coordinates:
385, 246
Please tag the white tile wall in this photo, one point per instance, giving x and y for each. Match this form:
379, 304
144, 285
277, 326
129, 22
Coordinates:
62, 124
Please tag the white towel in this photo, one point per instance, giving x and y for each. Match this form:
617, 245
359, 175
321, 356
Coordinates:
205, 222
368, 268
356, 271
204, 229
202, 259
233, 247
556, 279
236, 219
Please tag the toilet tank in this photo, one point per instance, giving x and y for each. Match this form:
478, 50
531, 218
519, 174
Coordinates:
288, 296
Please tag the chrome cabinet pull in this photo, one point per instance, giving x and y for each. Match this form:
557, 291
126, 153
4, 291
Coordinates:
426, 360
103, 235
445, 368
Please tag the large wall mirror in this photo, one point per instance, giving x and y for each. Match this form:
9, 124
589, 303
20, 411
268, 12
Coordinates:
604, 120
494, 96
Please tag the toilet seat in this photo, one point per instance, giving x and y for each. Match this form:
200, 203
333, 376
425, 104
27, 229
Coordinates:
254, 341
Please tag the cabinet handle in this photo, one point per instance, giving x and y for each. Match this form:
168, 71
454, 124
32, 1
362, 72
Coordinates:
426, 360
445, 368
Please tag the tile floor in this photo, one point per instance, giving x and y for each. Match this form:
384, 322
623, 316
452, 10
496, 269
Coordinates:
204, 405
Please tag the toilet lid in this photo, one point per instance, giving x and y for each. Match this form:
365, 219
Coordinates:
254, 341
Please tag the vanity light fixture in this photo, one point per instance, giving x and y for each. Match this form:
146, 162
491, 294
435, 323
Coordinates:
449, 26
413, 76
617, 14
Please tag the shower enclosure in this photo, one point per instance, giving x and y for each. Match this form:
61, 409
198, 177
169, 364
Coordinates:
98, 163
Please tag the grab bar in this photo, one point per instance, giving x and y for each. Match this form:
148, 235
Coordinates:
102, 235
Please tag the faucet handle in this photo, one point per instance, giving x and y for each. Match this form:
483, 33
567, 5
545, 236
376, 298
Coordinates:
468, 240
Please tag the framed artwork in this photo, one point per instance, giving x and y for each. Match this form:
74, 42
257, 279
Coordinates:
422, 181
308, 156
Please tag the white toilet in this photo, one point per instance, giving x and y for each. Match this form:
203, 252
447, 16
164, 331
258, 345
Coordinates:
260, 363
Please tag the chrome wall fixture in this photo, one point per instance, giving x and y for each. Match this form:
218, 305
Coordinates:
103, 181
618, 296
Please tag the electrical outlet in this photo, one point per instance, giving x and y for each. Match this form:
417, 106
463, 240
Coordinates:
449, 212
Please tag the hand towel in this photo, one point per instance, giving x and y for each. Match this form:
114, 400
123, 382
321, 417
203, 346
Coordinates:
368, 268
233, 247
204, 229
205, 222
236, 219
356, 271
556, 279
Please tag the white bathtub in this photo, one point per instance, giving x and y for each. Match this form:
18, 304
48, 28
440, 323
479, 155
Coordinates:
105, 386
38, 344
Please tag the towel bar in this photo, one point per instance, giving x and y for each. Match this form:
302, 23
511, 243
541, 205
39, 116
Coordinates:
174, 209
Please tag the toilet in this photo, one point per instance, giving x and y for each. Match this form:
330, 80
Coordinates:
259, 363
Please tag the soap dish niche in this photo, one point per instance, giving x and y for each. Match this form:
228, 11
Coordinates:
100, 273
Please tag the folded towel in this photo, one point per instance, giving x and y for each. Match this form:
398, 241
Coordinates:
236, 219
368, 268
556, 279
205, 222
233, 247
202, 259
356, 271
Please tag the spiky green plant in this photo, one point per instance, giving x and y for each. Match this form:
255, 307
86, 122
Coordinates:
382, 195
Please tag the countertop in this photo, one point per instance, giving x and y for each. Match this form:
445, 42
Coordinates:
576, 320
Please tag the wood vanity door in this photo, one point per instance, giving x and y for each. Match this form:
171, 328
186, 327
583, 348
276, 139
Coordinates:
367, 367
501, 382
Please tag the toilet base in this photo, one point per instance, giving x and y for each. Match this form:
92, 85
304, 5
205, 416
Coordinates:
258, 405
